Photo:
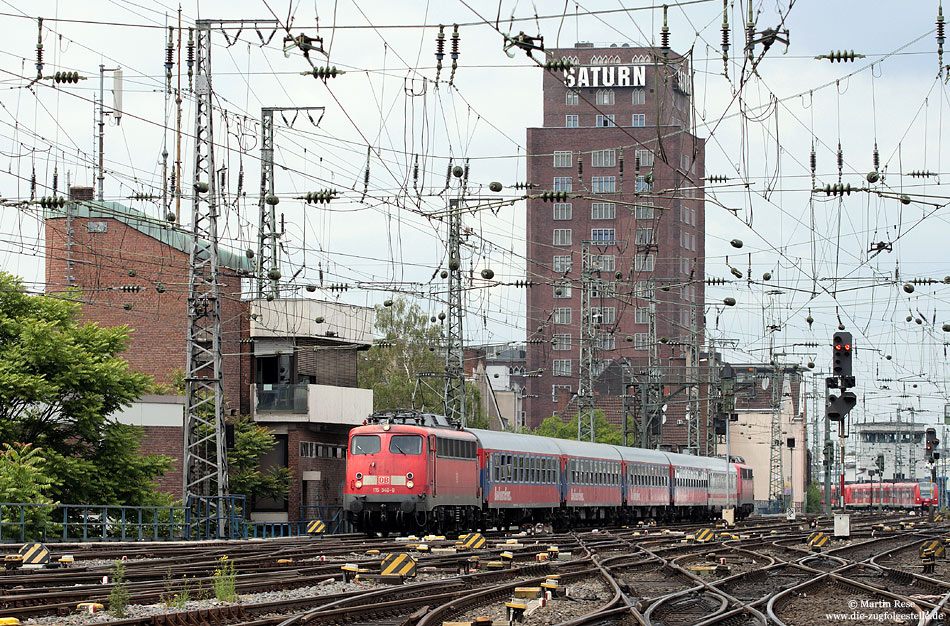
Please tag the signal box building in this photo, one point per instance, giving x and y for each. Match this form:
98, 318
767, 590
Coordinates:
616, 144
289, 363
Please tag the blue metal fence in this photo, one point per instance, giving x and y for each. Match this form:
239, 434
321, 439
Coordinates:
22, 522
78, 522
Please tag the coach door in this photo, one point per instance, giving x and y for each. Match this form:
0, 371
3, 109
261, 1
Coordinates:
431, 462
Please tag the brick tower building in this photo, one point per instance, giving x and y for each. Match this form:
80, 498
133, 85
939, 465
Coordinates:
616, 138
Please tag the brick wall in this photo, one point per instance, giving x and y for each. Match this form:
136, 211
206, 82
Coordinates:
105, 262
328, 491
167, 440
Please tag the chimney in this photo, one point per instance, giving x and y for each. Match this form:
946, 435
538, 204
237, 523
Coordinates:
81, 194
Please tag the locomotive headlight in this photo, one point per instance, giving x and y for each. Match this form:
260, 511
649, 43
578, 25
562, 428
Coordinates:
386, 426
359, 484
410, 484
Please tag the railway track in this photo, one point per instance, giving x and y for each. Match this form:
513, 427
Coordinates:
637, 575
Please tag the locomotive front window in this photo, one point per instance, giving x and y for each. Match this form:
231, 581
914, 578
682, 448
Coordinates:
405, 444
364, 444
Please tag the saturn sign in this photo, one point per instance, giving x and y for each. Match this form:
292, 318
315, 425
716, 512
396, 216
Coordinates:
606, 76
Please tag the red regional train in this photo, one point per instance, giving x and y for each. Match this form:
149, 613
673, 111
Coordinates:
413, 471
904, 495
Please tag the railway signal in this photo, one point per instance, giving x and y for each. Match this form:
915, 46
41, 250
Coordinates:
931, 442
843, 350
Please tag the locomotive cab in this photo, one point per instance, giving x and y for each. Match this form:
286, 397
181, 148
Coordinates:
386, 474
408, 471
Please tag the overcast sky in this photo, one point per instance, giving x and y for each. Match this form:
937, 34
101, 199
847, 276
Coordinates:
388, 107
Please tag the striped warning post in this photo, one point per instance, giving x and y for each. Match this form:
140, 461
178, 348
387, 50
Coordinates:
475, 541
934, 546
705, 535
818, 540
316, 527
398, 564
34, 554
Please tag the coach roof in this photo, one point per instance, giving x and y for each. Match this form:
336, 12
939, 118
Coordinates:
515, 442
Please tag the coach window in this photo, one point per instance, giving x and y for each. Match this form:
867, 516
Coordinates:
405, 444
365, 444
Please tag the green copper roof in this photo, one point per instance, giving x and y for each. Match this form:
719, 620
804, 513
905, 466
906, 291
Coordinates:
171, 235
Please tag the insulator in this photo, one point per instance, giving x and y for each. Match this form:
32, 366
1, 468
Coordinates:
66, 77
455, 43
440, 44
876, 158
837, 189
465, 173
170, 51
39, 48
736, 272
33, 184
750, 32
840, 56
320, 197
580, 167
554, 196
921, 174
415, 172
190, 51
620, 163
55, 180
52, 202
813, 160
240, 185
719, 178
323, 73
561, 64
840, 159
636, 163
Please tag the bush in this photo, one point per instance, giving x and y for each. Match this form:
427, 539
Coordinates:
119, 594
224, 585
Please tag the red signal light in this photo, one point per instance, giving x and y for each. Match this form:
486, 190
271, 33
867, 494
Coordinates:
847, 347
837, 346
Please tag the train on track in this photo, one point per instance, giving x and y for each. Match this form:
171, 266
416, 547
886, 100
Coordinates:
411, 471
903, 495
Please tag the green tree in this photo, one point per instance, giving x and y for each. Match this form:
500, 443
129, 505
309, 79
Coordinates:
410, 344
554, 426
813, 498
59, 383
24, 478
251, 443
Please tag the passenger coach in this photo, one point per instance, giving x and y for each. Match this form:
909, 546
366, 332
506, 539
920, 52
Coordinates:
408, 470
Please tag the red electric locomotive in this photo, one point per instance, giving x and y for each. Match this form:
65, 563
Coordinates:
407, 470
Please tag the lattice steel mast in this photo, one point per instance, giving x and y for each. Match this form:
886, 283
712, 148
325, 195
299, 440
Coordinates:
585, 367
453, 395
204, 467
268, 261
205, 463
